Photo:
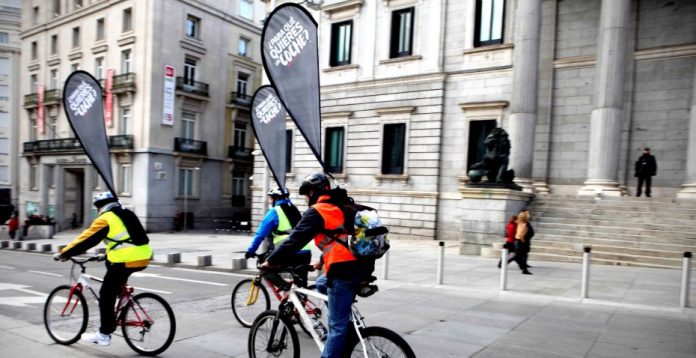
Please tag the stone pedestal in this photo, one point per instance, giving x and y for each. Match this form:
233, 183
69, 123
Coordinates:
485, 213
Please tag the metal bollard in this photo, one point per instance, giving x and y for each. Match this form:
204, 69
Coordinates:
441, 263
385, 265
503, 269
585, 284
685, 280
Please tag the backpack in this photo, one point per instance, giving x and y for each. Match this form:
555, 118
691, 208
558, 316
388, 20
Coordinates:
367, 236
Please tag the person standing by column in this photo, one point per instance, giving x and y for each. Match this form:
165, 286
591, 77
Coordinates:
646, 168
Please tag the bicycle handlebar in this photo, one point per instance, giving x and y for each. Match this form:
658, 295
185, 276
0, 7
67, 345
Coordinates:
80, 261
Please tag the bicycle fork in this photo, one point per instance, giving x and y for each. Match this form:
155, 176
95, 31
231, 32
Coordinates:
74, 288
279, 344
254, 294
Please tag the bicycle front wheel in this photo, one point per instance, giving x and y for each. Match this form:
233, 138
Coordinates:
273, 336
148, 324
248, 301
65, 315
379, 342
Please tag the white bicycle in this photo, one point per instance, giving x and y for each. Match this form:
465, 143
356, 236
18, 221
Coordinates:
273, 334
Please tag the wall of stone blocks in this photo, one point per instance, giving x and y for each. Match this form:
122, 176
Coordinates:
663, 23
576, 33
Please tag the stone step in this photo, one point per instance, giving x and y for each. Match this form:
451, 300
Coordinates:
613, 258
638, 230
669, 245
679, 213
664, 251
685, 225
663, 237
612, 199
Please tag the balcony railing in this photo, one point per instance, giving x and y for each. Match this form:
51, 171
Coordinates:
238, 201
53, 145
191, 86
239, 153
123, 141
53, 95
185, 145
239, 98
123, 81
31, 99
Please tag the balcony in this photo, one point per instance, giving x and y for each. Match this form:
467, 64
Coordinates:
53, 96
239, 153
185, 145
241, 99
190, 86
123, 83
123, 141
53, 145
31, 100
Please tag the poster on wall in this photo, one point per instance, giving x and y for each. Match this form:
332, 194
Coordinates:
169, 95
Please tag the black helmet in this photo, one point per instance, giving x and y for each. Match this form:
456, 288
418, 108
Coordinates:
317, 182
279, 193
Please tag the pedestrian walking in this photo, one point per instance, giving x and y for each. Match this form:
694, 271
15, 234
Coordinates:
523, 240
12, 225
646, 168
510, 231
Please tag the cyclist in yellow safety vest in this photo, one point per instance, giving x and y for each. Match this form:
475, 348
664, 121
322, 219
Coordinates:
276, 227
127, 251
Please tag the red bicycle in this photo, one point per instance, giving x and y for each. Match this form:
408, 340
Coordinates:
147, 322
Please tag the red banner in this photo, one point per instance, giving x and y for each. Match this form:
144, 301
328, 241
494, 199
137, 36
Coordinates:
108, 101
40, 111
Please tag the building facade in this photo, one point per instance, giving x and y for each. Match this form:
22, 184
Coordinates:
171, 150
10, 17
410, 88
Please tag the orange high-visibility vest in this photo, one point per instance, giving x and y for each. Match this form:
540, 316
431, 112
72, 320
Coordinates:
333, 251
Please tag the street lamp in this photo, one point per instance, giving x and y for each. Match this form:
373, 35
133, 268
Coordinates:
186, 195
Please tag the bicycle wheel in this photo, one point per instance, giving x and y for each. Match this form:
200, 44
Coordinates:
271, 337
65, 315
315, 308
245, 307
379, 342
148, 324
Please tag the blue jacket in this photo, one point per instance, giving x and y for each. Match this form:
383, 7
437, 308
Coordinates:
268, 224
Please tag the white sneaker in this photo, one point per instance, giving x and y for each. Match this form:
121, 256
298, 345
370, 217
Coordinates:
98, 338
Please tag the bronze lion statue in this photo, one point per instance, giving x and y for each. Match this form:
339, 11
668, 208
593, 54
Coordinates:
495, 161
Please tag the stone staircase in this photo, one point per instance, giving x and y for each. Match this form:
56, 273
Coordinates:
652, 232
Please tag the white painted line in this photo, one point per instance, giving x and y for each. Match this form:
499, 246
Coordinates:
214, 272
155, 275
7, 267
46, 273
151, 290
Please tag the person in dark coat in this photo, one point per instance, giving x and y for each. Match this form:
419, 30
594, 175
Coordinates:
646, 168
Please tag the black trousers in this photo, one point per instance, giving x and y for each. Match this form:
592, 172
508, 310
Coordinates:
521, 254
644, 179
116, 277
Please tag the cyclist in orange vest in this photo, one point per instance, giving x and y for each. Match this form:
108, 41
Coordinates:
324, 222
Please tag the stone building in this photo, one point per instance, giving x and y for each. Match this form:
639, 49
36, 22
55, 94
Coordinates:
409, 89
181, 151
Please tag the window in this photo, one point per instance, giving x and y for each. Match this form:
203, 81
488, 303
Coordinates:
34, 50
74, 67
489, 22
124, 182
340, 43
126, 120
78, 4
333, 149
75, 37
127, 20
100, 29
52, 127
188, 125
185, 182
401, 33
4, 174
193, 26
99, 67
56, 8
32, 177
393, 147
288, 150
246, 9
33, 83
242, 81
240, 135
4, 146
35, 15
34, 130
126, 61
243, 46
53, 82
54, 44
4, 37
238, 192
51, 176
189, 71
4, 93
4, 119
478, 130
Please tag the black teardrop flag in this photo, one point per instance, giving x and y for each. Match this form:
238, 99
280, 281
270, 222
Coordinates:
82, 101
291, 59
268, 121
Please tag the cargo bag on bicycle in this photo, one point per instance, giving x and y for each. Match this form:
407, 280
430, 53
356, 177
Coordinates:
367, 236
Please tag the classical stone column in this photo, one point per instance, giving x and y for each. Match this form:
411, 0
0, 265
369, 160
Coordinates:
607, 115
523, 107
688, 190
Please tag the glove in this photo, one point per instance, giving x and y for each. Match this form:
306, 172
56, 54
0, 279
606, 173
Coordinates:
58, 257
248, 255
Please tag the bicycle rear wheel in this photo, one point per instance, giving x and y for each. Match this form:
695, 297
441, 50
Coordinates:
148, 324
379, 342
65, 315
247, 307
273, 336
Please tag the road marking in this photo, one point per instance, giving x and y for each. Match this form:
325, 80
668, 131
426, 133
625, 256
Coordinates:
156, 275
7, 267
241, 275
21, 301
46, 273
151, 290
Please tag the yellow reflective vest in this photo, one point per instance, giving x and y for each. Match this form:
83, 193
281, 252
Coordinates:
284, 228
118, 246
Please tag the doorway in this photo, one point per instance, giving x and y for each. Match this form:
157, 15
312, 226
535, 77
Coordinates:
73, 198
